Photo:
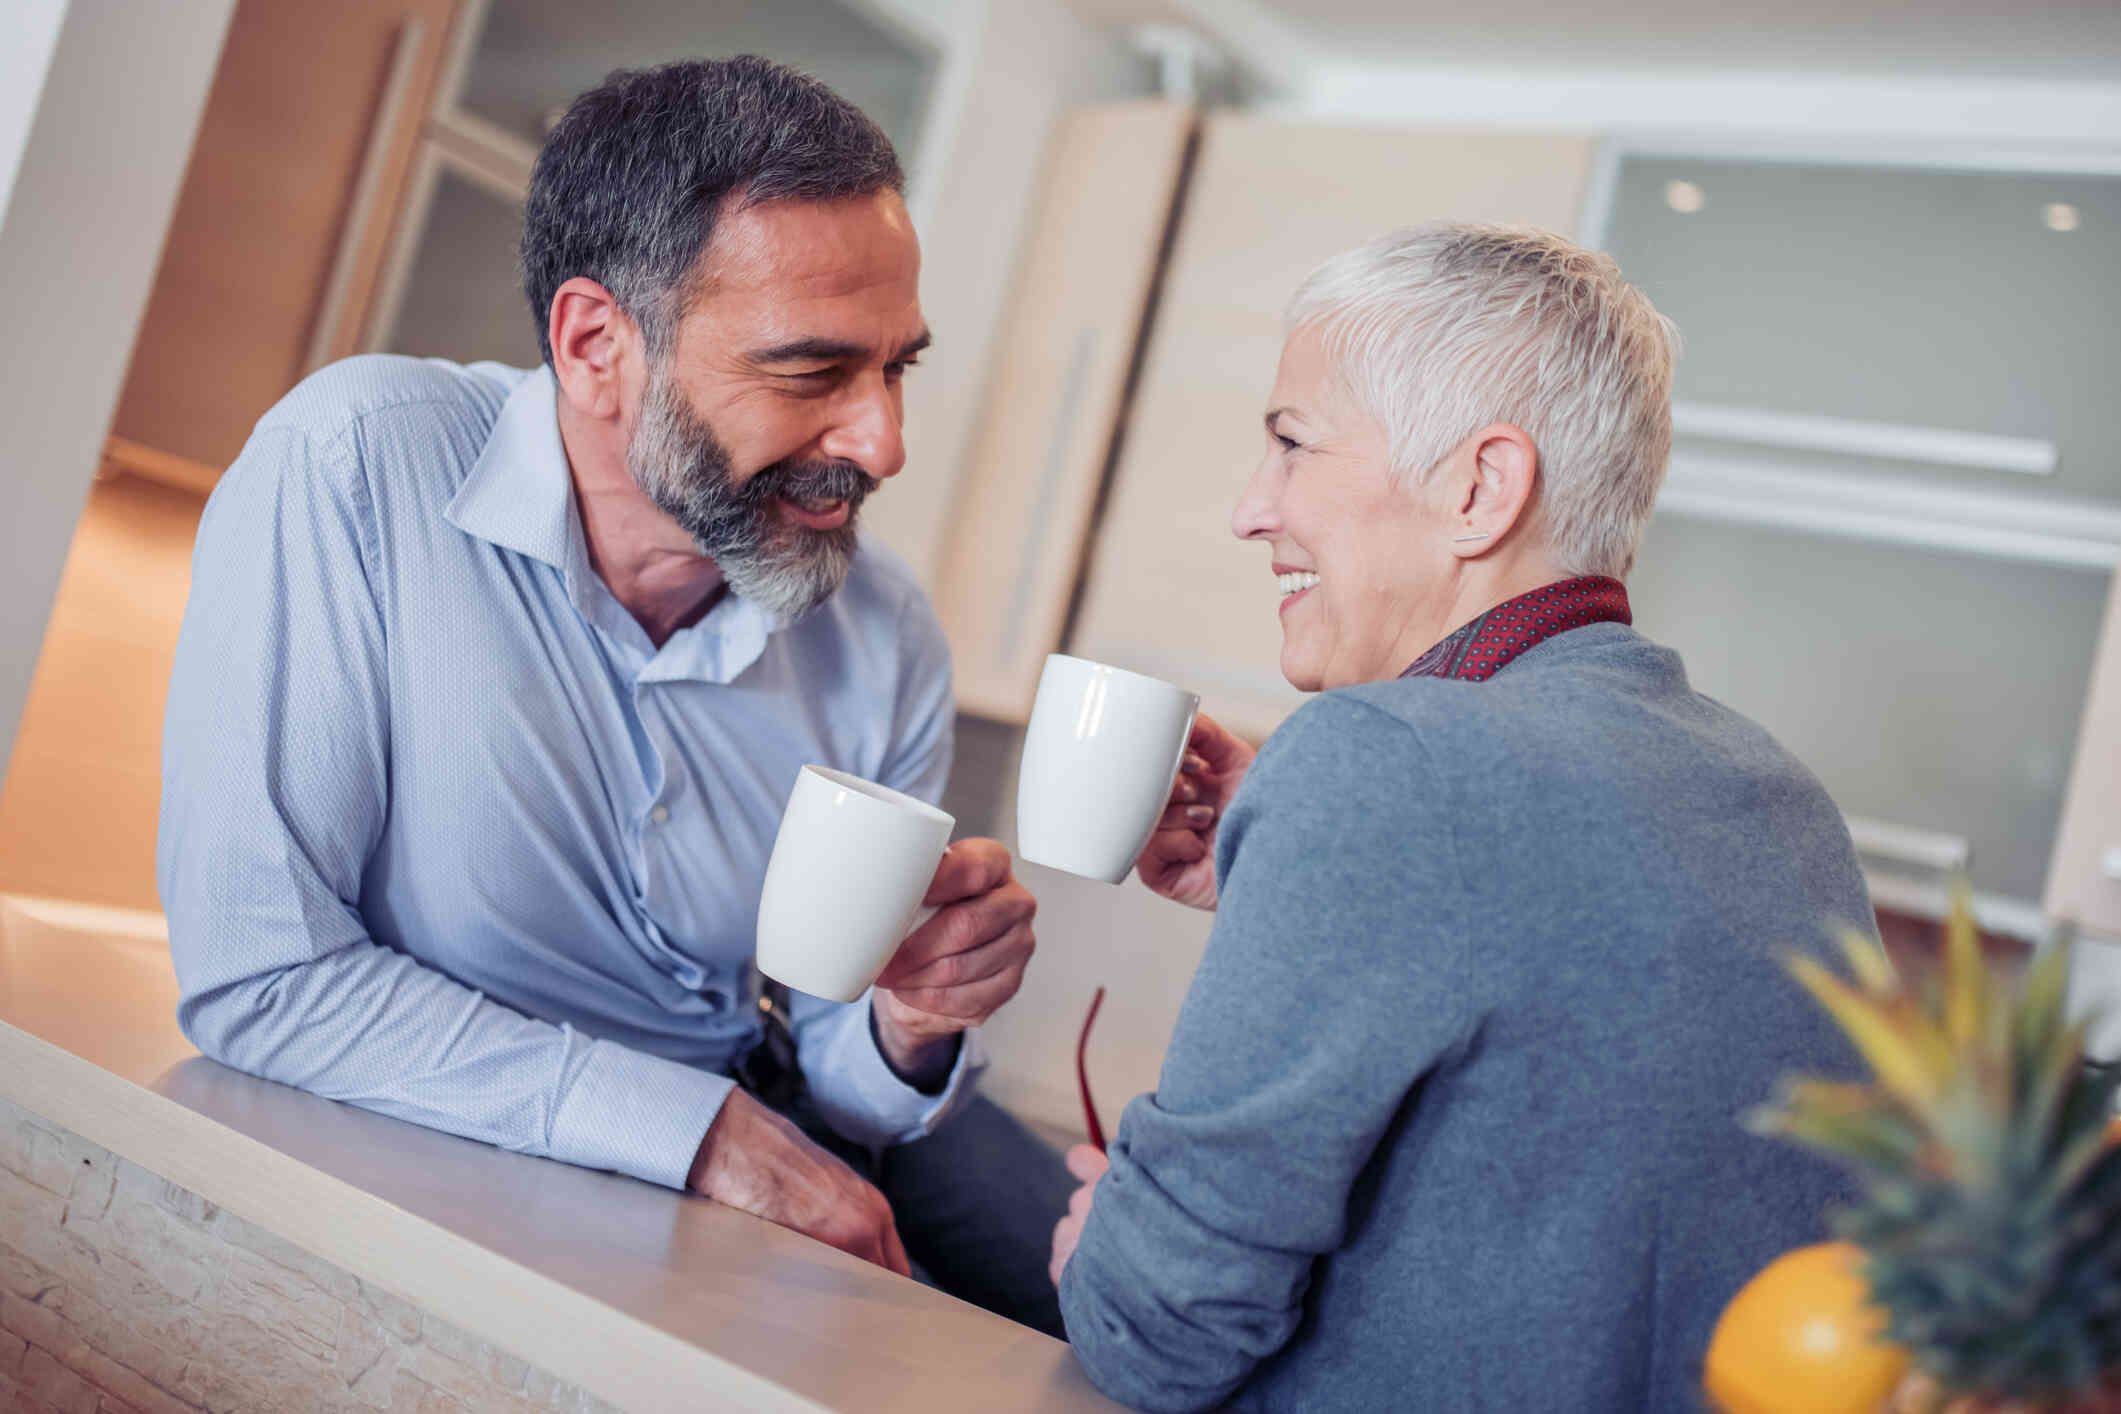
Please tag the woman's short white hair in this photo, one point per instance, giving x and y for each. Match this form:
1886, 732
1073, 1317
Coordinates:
1438, 330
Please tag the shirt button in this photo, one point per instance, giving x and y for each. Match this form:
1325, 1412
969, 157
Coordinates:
660, 815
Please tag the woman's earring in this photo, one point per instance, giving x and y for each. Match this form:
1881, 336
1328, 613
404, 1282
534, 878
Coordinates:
1462, 539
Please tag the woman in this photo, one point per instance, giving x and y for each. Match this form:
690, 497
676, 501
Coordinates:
1450, 1117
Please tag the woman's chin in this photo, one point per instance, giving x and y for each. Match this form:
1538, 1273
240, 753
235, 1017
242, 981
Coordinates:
1302, 675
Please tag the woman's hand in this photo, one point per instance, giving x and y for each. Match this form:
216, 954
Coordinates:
1179, 860
1089, 1166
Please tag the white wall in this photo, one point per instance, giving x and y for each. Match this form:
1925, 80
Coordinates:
33, 34
92, 162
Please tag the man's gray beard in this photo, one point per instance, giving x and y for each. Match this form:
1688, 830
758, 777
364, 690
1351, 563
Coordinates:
784, 568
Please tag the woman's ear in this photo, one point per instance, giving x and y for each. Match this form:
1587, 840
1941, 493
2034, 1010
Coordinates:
1495, 499
590, 335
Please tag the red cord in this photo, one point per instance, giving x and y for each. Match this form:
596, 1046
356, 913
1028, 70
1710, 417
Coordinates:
1082, 1075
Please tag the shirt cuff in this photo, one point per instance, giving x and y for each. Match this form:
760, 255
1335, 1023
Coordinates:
858, 1094
636, 1114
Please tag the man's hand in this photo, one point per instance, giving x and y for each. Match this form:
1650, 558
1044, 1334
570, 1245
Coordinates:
757, 1161
1088, 1165
956, 969
1179, 860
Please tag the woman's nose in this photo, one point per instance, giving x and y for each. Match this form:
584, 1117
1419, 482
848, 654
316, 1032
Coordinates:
1257, 513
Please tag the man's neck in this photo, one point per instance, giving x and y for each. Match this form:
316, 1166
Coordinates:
647, 562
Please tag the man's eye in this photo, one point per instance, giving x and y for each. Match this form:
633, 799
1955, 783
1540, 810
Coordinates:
1288, 444
897, 369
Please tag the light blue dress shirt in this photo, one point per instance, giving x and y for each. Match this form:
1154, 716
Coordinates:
443, 833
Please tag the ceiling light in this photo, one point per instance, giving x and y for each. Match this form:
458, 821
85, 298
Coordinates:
1685, 197
2060, 216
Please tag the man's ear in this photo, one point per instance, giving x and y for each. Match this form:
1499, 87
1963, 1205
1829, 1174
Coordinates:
1497, 497
592, 339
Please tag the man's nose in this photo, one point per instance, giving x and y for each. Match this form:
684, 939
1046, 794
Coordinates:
867, 432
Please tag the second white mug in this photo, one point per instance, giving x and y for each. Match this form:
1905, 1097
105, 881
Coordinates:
1102, 750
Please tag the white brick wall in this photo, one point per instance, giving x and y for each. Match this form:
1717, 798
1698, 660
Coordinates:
123, 1294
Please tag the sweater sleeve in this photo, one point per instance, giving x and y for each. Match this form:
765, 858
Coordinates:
1333, 982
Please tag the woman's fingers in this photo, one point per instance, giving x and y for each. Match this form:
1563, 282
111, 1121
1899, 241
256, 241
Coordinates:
1186, 817
1087, 1163
1179, 846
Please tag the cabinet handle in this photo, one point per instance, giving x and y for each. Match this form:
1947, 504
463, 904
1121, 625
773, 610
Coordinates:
391, 112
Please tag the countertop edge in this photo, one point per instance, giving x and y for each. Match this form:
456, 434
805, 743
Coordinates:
575, 1337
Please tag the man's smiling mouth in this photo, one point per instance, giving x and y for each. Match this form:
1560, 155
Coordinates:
819, 515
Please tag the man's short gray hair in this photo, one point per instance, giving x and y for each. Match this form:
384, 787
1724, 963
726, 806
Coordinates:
1438, 330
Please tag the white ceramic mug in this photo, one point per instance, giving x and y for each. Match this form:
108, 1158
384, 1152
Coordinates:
1102, 750
844, 886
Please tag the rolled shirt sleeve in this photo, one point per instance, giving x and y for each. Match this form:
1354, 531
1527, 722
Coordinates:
275, 791
1319, 1006
856, 1090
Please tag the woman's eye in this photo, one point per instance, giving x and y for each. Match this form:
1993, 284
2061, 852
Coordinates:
1288, 444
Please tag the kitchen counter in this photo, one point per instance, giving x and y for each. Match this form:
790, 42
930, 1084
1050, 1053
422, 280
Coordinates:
640, 1296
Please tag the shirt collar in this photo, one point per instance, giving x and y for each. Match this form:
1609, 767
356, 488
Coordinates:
1476, 651
520, 496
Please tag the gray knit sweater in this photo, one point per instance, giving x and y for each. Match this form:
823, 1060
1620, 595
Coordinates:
1450, 1118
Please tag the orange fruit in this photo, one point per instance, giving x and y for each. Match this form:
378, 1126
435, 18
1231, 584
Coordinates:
1802, 1337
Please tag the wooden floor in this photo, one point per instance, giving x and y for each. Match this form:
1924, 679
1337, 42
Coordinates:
78, 807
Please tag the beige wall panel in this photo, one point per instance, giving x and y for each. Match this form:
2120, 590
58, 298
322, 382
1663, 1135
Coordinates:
299, 110
2079, 888
1170, 592
1067, 343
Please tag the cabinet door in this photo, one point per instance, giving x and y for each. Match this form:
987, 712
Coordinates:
1068, 340
1170, 593
2084, 877
281, 224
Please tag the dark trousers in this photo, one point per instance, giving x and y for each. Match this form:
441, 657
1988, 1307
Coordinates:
975, 1203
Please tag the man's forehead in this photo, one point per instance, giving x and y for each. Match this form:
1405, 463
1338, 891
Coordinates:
815, 248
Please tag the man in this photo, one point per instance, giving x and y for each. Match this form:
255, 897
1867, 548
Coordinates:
492, 687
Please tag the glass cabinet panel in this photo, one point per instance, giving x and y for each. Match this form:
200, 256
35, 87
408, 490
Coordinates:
456, 294
1978, 302
533, 56
1940, 692
463, 298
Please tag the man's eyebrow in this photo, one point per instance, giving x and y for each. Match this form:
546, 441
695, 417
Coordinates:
809, 350
817, 350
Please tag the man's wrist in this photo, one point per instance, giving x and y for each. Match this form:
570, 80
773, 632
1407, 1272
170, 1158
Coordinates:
922, 1064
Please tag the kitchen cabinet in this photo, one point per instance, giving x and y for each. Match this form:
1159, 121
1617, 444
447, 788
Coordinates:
1169, 592
1039, 456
